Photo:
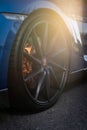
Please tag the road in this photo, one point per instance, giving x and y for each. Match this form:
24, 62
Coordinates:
69, 113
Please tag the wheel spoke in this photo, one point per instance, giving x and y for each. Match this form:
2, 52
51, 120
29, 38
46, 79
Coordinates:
58, 66
54, 75
45, 38
32, 74
30, 57
58, 53
38, 45
40, 85
53, 41
48, 85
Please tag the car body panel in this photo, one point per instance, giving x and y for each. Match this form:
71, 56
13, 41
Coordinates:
10, 27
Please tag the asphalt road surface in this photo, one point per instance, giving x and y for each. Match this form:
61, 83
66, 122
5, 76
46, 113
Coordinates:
69, 113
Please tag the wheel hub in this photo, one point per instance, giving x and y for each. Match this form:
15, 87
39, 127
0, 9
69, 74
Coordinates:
44, 61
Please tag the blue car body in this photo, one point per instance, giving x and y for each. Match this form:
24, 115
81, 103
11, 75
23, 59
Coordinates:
12, 14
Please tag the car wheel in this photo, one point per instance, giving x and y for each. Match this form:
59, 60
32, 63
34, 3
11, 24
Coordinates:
39, 62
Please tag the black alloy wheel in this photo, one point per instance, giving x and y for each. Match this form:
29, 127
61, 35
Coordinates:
39, 62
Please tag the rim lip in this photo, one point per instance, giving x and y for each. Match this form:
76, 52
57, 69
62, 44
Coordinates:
29, 30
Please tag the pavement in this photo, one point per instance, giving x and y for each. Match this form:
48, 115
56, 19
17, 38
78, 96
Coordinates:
69, 113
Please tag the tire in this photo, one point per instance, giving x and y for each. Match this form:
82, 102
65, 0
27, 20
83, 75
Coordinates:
39, 62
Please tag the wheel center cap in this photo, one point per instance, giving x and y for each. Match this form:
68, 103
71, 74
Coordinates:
44, 61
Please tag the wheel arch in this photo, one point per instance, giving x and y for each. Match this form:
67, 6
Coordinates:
70, 23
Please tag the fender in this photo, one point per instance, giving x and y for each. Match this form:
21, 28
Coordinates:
27, 8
